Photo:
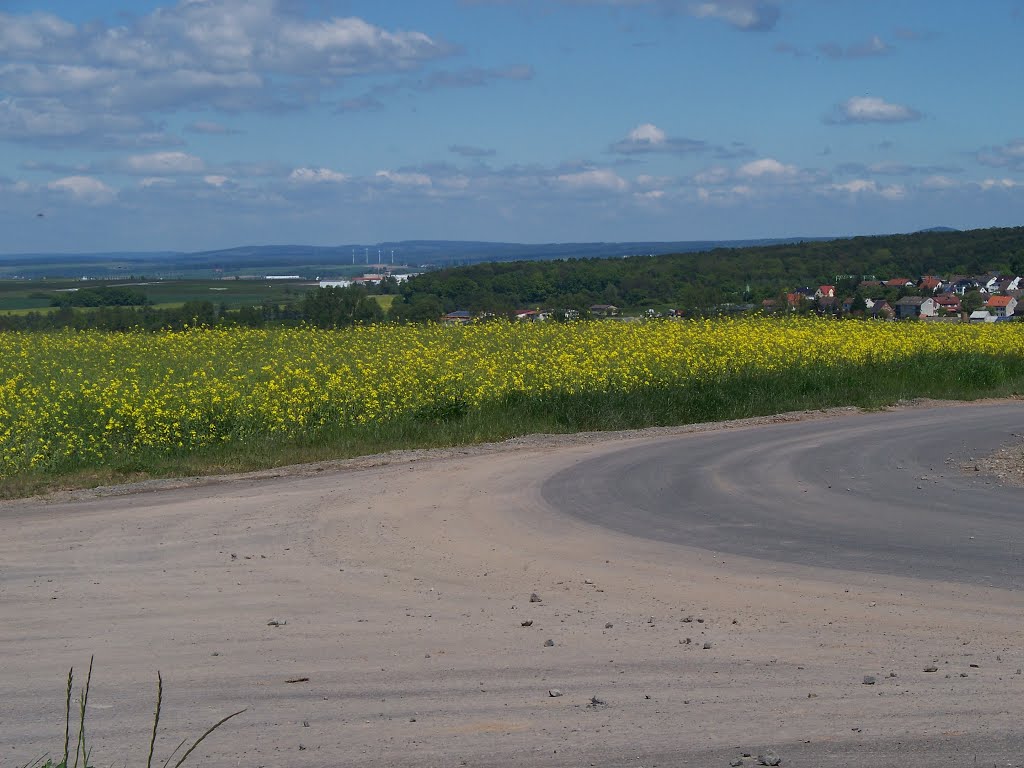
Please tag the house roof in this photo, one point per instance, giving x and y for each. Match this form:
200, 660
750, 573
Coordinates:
912, 301
827, 288
1000, 301
898, 281
460, 313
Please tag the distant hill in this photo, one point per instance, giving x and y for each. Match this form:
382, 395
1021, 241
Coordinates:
311, 261
715, 277
939, 229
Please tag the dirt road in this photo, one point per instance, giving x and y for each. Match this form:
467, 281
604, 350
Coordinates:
401, 588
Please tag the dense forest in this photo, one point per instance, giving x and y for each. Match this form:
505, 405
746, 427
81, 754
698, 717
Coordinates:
697, 281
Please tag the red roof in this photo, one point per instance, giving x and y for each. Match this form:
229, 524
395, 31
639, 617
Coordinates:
999, 301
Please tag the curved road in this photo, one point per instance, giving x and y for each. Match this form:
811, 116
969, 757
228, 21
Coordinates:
883, 493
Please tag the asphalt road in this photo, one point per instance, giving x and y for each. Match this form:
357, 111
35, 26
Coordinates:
882, 493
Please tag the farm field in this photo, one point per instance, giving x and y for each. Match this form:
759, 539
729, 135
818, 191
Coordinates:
20, 296
84, 408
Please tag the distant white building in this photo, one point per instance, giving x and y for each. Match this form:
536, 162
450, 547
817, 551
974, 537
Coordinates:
335, 283
283, 277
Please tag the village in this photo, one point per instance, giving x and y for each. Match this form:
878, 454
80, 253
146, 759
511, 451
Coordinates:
985, 298
988, 298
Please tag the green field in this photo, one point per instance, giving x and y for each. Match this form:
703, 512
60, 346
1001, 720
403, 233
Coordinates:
22, 296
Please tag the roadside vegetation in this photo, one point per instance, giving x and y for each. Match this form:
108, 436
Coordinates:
79, 742
89, 408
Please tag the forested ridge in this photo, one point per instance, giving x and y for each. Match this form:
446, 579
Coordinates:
710, 278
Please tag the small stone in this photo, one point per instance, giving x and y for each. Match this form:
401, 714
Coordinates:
963, 674
769, 758
527, 623
931, 668
554, 693
736, 763
609, 625
549, 643
215, 653
687, 619
534, 597
812, 695
892, 674
869, 680
588, 581
305, 723
707, 645
597, 701
650, 620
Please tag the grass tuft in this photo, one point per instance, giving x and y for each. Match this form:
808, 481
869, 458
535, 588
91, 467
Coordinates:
84, 754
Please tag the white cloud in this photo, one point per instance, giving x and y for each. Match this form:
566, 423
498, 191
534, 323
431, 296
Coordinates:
873, 46
216, 180
94, 83
594, 179
1009, 155
648, 137
767, 167
652, 196
165, 163
404, 179
870, 109
646, 181
999, 184
715, 175
869, 187
742, 14
647, 133
316, 176
938, 181
84, 189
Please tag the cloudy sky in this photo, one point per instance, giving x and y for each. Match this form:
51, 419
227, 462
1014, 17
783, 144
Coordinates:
194, 124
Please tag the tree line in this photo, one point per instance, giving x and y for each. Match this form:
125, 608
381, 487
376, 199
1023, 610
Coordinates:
695, 282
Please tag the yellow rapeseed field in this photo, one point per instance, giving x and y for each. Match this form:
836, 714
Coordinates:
87, 396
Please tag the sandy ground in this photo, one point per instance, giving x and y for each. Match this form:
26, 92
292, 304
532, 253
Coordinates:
401, 586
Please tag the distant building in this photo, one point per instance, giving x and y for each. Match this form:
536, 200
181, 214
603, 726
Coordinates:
910, 307
459, 317
283, 277
1001, 306
335, 283
604, 310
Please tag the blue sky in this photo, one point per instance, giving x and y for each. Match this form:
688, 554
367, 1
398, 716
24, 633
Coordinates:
194, 124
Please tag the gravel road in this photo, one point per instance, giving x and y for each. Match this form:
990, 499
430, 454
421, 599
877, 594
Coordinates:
705, 585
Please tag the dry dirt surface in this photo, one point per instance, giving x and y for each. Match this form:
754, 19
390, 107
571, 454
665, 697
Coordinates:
439, 609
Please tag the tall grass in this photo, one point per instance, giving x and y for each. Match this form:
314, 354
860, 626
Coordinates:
83, 754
